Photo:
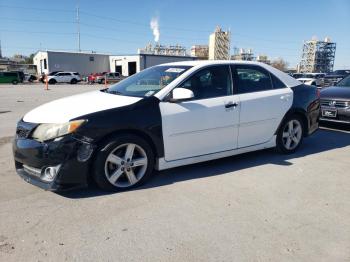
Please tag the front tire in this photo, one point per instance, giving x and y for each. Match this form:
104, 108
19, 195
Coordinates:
52, 81
14, 82
290, 135
123, 162
73, 81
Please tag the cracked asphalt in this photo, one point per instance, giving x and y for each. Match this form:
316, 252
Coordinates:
260, 206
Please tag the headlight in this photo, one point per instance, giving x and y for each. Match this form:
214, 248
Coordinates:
49, 131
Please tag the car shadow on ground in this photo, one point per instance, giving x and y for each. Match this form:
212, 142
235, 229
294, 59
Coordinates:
323, 140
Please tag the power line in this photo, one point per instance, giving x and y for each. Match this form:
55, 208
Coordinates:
130, 22
140, 24
37, 9
37, 20
138, 33
35, 32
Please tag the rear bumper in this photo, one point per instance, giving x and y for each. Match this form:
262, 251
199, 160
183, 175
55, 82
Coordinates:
69, 155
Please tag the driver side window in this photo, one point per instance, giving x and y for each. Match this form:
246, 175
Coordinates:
214, 81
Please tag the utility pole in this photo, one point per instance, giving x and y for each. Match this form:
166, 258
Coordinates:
78, 26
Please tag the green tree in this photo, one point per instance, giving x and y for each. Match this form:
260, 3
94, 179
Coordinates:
29, 59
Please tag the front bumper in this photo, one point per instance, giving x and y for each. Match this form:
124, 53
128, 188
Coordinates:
69, 154
343, 115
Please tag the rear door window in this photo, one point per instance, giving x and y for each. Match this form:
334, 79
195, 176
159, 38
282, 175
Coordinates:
277, 83
252, 79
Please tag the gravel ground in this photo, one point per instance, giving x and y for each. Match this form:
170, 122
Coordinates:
260, 206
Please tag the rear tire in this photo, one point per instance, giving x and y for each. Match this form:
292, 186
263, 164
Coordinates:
290, 135
14, 82
123, 162
52, 81
73, 81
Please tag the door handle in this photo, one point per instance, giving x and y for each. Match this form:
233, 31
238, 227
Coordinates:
231, 104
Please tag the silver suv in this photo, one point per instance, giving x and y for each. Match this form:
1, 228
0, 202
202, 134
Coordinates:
64, 77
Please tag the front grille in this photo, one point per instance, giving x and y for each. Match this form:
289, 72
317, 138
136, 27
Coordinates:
24, 129
335, 103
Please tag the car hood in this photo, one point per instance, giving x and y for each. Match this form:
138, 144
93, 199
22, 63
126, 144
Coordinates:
66, 109
336, 92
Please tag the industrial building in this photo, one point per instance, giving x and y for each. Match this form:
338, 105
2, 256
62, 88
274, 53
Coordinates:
7, 64
243, 54
318, 56
130, 64
15, 64
219, 45
173, 50
83, 63
263, 59
87, 63
200, 51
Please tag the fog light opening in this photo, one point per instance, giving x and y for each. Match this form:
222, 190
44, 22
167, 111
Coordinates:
50, 173
85, 152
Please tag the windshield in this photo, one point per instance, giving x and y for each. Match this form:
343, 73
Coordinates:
345, 82
148, 82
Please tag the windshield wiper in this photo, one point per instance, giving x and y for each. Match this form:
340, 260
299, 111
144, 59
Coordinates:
114, 92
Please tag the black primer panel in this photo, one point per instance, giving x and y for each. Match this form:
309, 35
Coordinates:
143, 116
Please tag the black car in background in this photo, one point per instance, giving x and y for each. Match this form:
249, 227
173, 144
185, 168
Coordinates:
334, 77
335, 102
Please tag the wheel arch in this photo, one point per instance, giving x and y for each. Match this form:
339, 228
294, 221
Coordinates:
299, 112
135, 132
100, 142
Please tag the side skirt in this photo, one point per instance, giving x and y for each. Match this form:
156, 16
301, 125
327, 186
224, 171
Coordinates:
162, 164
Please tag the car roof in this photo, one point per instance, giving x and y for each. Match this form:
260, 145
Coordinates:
288, 80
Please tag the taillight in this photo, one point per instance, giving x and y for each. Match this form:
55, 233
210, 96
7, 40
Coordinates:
318, 93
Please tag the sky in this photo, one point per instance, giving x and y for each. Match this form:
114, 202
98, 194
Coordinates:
270, 27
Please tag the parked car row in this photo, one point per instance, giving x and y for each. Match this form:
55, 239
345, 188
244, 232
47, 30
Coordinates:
55, 77
321, 79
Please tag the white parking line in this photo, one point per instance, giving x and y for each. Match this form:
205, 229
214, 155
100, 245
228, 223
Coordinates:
336, 130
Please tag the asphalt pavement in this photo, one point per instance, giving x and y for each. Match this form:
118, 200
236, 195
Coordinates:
260, 206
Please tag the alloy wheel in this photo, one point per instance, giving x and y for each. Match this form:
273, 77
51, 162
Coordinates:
292, 134
126, 165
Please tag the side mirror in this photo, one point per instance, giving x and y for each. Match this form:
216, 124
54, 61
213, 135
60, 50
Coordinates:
181, 94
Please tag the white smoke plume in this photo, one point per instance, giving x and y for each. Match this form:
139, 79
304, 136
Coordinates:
154, 24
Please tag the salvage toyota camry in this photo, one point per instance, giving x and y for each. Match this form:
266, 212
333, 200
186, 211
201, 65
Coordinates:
165, 116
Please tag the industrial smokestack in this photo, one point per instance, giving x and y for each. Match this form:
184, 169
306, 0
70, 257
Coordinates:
154, 24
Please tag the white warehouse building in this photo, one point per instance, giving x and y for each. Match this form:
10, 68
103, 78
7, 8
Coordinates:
130, 64
83, 63
87, 63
